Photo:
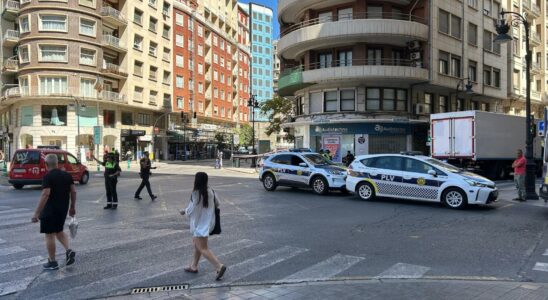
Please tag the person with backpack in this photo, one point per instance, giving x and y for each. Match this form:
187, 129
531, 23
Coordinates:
201, 211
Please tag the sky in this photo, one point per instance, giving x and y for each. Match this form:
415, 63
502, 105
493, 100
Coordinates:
273, 4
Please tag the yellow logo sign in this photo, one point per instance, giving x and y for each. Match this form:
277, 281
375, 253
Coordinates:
421, 181
299, 172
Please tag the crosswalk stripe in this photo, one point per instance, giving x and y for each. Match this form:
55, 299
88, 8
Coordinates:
26, 215
325, 269
252, 265
402, 270
14, 222
2, 241
15, 210
5, 207
21, 264
11, 287
543, 267
11, 250
129, 279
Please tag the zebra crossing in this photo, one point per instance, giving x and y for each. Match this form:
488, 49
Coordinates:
112, 262
542, 266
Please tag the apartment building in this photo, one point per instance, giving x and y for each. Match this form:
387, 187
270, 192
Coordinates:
365, 74
67, 66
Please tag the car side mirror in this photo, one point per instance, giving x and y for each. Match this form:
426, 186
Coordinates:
304, 165
432, 173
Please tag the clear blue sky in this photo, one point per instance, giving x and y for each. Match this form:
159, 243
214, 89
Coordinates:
273, 4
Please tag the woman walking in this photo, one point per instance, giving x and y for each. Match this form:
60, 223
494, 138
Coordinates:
201, 211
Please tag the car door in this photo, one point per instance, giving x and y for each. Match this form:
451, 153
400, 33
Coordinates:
73, 167
280, 167
386, 172
418, 183
300, 175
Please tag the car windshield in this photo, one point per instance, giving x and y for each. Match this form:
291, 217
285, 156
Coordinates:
445, 166
317, 160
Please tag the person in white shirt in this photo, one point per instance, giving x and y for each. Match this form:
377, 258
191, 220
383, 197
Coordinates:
201, 211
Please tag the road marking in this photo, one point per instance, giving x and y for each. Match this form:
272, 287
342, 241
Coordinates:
250, 266
106, 285
9, 211
543, 267
325, 269
5, 207
11, 250
507, 205
2, 241
26, 215
403, 271
14, 222
11, 287
545, 252
21, 264
99, 247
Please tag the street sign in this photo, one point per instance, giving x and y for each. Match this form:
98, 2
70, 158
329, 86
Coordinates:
97, 134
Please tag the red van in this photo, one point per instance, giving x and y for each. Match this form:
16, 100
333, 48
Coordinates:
28, 167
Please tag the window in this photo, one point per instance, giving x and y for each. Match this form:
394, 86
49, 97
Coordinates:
200, 50
179, 19
473, 3
167, 77
144, 119
325, 60
88, 3
443, 63
487, 41
496, 78
401, 100
165, 32
388, 163
284, 159
455, 66
109, 118
374, 57
455, 27
200, 87
179, 61
472, 34
152, 24
87, 88
416, 166
53, 53
138, 94
152, 97
24, 54
127, 118
373, 99
87, 56
179, 81
449, 24
138, 68
486, 75
180, 102
374, 12
179, 40
167, 54
345, 58
53, 23
348, 100
443, 21
24, 24
443, 104
87, 27
191, 25
388, 99
153, 73
152, 3
428, 103
152, 49
54, 115
138, 42
165, 9
472, 71
138, 16
24, 85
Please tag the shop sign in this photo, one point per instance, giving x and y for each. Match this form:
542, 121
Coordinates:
131, 132
97, 134
361, 128
333, 144
389, 129
208, 127
145, 138
362, 144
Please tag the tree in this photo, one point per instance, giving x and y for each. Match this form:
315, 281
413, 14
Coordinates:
220, 138
246, 134
277, 110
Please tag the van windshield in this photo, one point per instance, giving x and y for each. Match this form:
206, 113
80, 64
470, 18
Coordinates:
26, 158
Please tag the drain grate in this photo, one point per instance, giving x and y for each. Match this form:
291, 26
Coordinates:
156, 289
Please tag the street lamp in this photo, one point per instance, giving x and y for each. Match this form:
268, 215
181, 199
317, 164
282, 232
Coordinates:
253, 104
503, 27
467, 88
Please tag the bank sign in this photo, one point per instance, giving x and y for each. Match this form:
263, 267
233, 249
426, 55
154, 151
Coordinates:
361, 128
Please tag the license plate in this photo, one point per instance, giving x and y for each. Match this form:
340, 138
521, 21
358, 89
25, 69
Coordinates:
19, 171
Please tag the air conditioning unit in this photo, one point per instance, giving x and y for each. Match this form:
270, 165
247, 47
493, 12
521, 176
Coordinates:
413, 45
415, 55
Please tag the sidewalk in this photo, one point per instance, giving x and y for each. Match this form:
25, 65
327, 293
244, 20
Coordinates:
372, 288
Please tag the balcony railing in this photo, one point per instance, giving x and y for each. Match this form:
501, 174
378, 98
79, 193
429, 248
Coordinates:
350, 63
11, 34
11, 64
114, 97
112, 41
112, 12
114, 69
12, 92
11, 5
535, 37
24, 2
353, 16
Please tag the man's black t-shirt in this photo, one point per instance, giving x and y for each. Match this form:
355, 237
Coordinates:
58, 202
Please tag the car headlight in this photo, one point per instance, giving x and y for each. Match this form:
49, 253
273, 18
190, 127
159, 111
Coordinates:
475, 183
336, 172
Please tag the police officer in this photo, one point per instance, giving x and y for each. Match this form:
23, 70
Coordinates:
112, 171
145, 175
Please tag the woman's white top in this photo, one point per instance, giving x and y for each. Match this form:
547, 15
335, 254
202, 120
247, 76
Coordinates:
202, 219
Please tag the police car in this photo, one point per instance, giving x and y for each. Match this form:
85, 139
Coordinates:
304, 169
418, 178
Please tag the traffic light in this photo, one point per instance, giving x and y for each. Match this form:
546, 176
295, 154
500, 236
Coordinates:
533, 129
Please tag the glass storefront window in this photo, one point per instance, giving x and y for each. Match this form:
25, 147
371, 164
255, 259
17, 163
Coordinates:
54, 115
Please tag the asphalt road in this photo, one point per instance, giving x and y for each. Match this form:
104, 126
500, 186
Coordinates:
289, 235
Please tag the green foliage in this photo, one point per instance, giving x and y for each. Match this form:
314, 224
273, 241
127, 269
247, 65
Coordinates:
246, 134
277, 110
221, 140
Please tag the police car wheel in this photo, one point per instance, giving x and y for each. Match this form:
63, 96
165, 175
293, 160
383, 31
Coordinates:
454, 198
319, 185
365, 191
85, 178
269, 182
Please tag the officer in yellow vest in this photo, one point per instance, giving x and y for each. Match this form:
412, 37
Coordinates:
112, 171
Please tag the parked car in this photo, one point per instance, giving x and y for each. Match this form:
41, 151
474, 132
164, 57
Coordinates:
417, 178
304, 169
28, 167
243, 150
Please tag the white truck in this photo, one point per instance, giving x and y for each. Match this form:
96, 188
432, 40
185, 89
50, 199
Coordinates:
482, 142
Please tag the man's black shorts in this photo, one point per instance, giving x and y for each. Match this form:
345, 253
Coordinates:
52, 225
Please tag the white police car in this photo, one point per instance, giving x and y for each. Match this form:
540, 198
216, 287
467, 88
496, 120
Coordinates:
302, 170
417, 178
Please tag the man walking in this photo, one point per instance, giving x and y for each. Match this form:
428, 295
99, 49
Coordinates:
145, 175
519, 175
57, 188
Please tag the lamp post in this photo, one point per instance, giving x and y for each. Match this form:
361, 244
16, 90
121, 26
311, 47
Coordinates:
468, 87
253, 104
503, 27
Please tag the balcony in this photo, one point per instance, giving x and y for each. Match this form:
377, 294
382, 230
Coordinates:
113, 16
207, 59
535, 39
10, 10
532, 9
114, 97
10, 38
10, 65
113, 70
348, 29
12, 92
113, 43
384, 71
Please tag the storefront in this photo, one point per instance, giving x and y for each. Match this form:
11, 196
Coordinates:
131, 143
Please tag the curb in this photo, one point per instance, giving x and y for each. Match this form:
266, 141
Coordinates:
250, 172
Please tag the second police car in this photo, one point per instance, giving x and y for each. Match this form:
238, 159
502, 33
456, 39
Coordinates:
302, 169
417, 178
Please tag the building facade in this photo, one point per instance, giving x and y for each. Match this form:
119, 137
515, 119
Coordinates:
67, 67
366, 74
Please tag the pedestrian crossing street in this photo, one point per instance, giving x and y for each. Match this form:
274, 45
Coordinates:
111, 262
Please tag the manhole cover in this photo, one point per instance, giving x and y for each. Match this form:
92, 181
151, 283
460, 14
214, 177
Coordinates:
156, 289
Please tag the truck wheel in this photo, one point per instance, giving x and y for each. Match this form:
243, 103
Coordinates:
18, 186
269, 182
85, 178
366, 191
319, 185
454, 198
